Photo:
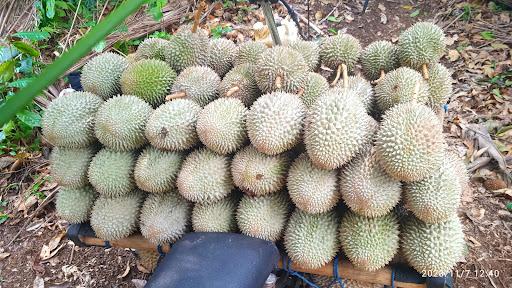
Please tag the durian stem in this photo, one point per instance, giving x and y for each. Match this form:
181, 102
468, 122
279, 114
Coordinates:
424, 71
232, 91
176, 95
382, 74
345, 75
279, 82
197, 15
338, 75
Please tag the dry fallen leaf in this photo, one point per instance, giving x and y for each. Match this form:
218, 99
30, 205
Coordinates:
126, 271
6, 161
348, 18
505, 191
54, 242
47, 253
383, 18
453, 55
381, 7
4, 255
473, 242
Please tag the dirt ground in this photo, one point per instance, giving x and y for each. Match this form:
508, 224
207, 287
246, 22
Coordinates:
41, 257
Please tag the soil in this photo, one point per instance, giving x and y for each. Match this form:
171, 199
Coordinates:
487, 223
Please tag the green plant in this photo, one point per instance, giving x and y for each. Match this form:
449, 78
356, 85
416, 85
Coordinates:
3, 216
219, 31
487, 35
466, 15
36, 187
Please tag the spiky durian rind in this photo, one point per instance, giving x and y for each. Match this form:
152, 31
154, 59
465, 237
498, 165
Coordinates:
199, 83
379, 56
69, 165
153, 48
309, 50
439, 84
215, 217
241, 76
316, 85
249, 52
187, 49
74, 204
340, 49
221, 54
422, 43
102, 74
111, 173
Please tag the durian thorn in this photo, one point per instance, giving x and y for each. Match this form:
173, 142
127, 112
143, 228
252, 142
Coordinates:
345, 75
337, 78
279, 82
382, 74
197, 15
176, 95
232, 91
424, 71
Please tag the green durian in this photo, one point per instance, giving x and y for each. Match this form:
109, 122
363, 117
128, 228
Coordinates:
315, 86
398, 86
149, 79
74, 204
435, 248
311, 239
116, 218
439, 85
249, 52
378, 58
221, 125
221, 55
281, 69
187, 49
111, 173
69, 165
309, 50
153, 48
311, 189
102, 74
240, 83
369, 243
366, 188
420, 44
156, 170
197, 83
259, 174
164, 217
410, 143
263, 217
275, 121
172, 126
215, 217
340, 49
120, 123
69, 120
205, 177
363, 89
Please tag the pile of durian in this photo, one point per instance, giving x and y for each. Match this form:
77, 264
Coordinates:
199, 134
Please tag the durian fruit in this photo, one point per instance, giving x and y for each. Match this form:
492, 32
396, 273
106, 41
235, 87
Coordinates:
436, 198
164, 217
102, 74
366, 188
315, 86
120, 122
311, 239
74, 204
69, 165
259, 174
153, 48
197, 83
363, 89
369, 243
399, 86
205, 177
421, 44
281, 69
460, 169
69, 120
410, 144
172, 126
432, 247
132, 58
274, 122
149, 79
379, 58
116, 218
240, 83
263, 217
330, 282
309, 50
215, 217
221, 125
221, 54
311, 189
156, 170
337, 127
339, 50
439, 84
187, 48
249, 52
111, 173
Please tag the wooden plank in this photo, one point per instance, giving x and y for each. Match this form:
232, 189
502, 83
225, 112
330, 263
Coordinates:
345, 269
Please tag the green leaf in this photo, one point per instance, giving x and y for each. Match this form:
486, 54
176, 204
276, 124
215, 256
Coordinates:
25, 65
497, 93
333, 19
100, 46
415, 13
32, 35
487, 35
26, 48
509, 206
20, 83
30, 118
332, 31
3, 218
7, 53
7, 70
50, 8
